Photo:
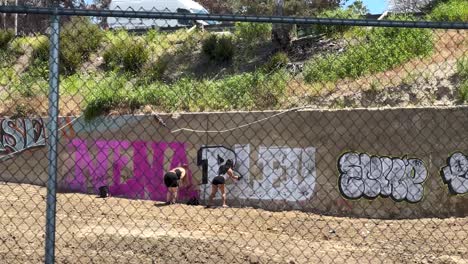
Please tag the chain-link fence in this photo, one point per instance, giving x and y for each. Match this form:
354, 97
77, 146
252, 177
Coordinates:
184, 137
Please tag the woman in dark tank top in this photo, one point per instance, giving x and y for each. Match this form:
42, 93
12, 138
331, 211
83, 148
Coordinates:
219, 181
172, 179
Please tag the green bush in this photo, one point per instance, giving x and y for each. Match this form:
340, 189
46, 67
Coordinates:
330, 30
256, 90
462, 72
127, 54
78, 39
453, 10
8, 75
31, 83
20, 44
252, 33
154, 72
224, 51
384, 49
218, 48
209, 45
111, 91
39, 69
277, 61
5, 37
462, 68
463, 91
41, 50
153, 35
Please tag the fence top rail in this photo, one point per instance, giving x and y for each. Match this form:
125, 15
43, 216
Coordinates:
232, 18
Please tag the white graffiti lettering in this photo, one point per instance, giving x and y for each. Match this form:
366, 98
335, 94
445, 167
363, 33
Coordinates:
361, 175
286, 173
20, 134
456, 173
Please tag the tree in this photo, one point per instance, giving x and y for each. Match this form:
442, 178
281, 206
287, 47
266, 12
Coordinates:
281, 33
267, 7
216, 6
405, 6
358, 7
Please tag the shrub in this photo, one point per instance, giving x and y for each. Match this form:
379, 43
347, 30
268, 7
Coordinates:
330, 30
108, 93
252, 33
39, 69
224, 51
99, 106
209, 45
154, 71
255, 90
78, 39
462, 72
152, 35
41, 50
269, 89
462, 68
8, 75
218, 48
20, 44
453, 10
5, 37
384, 48
463, 92
277, 61
127, 54
31, 84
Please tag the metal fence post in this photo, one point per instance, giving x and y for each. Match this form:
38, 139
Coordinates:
53, 138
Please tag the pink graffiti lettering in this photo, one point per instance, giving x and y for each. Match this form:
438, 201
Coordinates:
112, 157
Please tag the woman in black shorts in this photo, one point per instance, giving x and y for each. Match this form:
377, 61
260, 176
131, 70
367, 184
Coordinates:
172, 179
220, 180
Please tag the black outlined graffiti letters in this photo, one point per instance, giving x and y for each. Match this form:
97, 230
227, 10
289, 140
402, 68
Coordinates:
20, 134
455, 174
367, 176
282, 173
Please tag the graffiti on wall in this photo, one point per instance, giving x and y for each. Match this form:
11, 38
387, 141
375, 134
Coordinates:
284, 173
367, 176
455, 174
132, 169
20, 134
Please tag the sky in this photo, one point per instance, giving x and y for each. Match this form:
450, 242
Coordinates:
374, 6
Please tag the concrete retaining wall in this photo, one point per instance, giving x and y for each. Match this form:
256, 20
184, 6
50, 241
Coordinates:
388, 163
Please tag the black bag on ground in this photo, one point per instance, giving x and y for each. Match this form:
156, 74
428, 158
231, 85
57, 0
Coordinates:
193, 201
103, 191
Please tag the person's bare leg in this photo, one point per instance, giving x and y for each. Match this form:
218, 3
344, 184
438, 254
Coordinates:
174, 194
214, 190
168, 195
223, 194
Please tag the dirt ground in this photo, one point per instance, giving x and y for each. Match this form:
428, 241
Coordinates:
116, 230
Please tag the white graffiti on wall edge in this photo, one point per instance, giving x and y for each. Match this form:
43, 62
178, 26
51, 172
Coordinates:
399, 178
20, 134
456, 173
285, 173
